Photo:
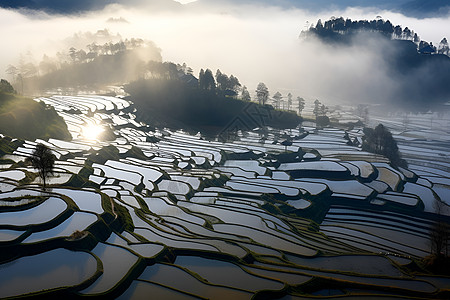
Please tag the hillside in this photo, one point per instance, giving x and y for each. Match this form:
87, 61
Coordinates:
419, 75
24, 118
427, 75
248, 218
173, 103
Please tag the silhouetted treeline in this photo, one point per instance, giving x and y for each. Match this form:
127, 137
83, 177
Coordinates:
105, 69
28, 68
106, 63
341, 30
110, 48
174, 103
340, 26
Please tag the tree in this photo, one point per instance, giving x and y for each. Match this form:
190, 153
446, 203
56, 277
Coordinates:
319, 25
235, 85
262, 93
407, 33
426, 48
316, 110
81, 55
73, 53
222, 81
443, 47
13, 71
201, 79
289, 101
323, 110
209, 82
423, 44
182, 68
227, 85
245, 94
398, 31
438, 262
43, 160
320, 111
380, 141
277, 99
300, 104
440, 231
29, 70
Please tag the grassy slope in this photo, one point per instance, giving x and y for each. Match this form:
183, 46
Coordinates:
24, 118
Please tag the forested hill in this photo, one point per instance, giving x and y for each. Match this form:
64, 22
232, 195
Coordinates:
21, 117
97, 65
420, 69
169, 102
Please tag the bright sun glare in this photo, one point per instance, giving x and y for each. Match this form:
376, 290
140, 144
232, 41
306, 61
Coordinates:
92, 131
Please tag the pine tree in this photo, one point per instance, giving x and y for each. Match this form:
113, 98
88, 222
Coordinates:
262, 93
300, 104
245, 94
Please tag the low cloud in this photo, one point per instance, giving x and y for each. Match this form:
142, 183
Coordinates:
255, 43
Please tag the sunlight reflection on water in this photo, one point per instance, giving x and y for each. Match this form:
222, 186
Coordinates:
91, 132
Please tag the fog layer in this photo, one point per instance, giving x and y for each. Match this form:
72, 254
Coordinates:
256, 44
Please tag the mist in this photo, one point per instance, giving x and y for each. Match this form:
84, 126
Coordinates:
254, 43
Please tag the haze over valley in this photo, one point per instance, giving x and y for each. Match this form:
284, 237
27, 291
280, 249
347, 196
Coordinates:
224, 149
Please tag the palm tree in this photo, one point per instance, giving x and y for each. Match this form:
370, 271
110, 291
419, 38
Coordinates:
43, 160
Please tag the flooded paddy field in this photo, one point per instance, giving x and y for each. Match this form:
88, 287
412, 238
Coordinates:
175, 215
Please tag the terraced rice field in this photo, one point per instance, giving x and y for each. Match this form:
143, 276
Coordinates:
174, 215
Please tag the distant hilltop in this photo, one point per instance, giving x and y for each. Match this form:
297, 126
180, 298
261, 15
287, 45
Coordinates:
340, 30
420, 69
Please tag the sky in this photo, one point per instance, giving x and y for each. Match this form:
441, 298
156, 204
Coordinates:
255, 42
